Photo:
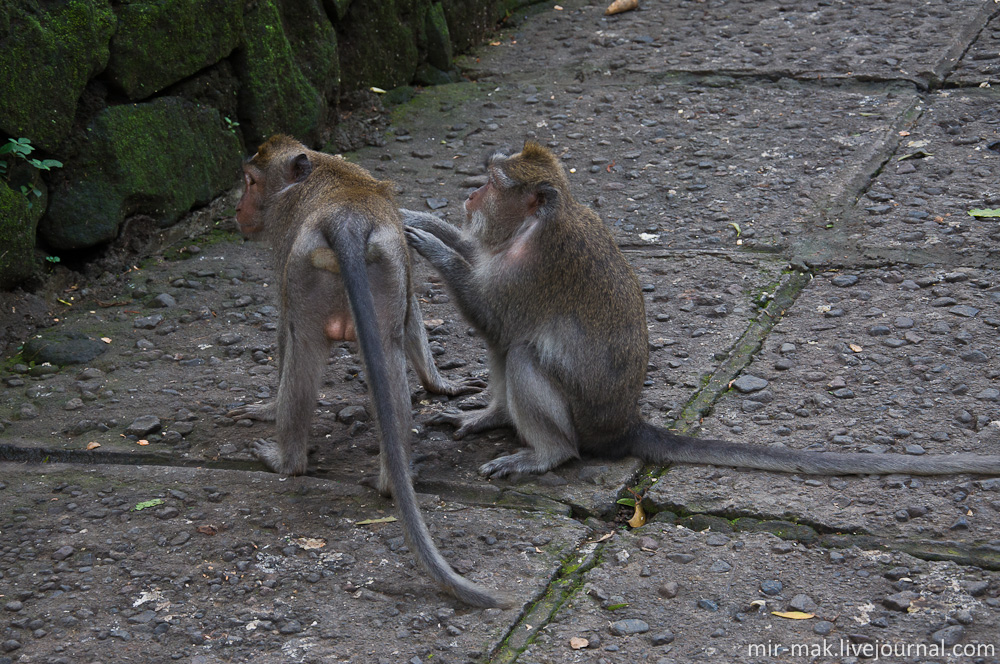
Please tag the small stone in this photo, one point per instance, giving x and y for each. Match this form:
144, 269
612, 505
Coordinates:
748, 383
143, 426
63, 552
352, 414
803, 603
163, 301
682, 558
14, 606
662, 639
771, 587
963, 310
629, 626
823, 627
668, 590
900, 601
720, 566
437, 203
949, 636
844, 280
708, 605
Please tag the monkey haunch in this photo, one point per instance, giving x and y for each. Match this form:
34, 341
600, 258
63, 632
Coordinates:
344, 268
562, 313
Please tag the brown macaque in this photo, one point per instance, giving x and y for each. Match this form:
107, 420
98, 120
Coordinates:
543, 281
344, 271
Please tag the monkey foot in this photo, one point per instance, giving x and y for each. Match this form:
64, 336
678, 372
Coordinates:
461, 387
524, 461
270, 454
263, 412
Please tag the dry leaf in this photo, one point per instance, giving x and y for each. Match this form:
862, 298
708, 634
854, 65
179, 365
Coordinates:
368, 522
639, 518
93, 445
793, 615
855, 347
605, 538
106, 340
207, 529
619, 6
308, 543
142, 442
578, 643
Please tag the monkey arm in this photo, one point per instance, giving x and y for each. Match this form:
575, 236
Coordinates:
457, 272
442, 230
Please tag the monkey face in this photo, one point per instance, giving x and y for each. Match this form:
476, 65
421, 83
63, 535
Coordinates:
248, 215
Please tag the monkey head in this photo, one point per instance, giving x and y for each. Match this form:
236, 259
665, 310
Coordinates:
280, 162
528, 184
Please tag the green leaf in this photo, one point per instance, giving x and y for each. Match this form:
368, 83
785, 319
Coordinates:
984, 212
149, 503
626, 501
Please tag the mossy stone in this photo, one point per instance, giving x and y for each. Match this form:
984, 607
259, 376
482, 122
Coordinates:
314, 45
439, 51
275, 94
17, 237
46, 58
161, 42
158, 158
378, 47
62, 348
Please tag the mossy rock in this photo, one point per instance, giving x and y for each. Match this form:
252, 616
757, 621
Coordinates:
17, 237
275, 93
46, 58
379, 43
314, 45
158, 158
216, 86
160, 42
61, 348
439, 50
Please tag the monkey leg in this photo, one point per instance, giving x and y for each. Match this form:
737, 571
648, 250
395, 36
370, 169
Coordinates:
306, 348
540, 415
419, 353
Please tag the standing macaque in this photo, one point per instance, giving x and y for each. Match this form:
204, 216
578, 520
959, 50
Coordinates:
344, 271
562, 313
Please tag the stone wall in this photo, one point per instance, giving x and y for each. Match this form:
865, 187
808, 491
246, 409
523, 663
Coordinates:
151, 104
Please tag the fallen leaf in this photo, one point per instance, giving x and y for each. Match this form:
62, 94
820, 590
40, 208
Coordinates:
855, 347
93, 445
106, 340
368, 522
147, 504
984, 212
619, 6
308, 543
142, 442
378, 91
207, 529
793, 615
605, 538
578, 643
639, 518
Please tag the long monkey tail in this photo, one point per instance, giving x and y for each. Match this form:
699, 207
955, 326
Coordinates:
657, 445
350, 245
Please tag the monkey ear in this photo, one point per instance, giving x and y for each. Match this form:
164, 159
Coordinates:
544, 201
299, 168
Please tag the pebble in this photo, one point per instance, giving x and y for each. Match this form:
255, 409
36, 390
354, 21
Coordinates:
771, 587
143, 426
629, 626
748, 383
844, 280
949, 636
804, 603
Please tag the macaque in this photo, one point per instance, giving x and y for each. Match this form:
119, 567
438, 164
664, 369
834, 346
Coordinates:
344, 271
542, 280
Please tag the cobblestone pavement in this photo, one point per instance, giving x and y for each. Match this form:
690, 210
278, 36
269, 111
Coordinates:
792, 182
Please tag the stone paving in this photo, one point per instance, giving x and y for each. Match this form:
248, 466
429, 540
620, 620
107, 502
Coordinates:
792, 184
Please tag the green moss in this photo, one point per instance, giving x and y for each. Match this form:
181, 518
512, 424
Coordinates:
160, 43
379, 44
126, 169
46, 59
276, 96
17, 237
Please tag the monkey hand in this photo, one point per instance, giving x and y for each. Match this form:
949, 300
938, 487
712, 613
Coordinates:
262, 412
422, 220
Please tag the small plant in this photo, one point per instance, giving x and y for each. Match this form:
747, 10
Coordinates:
231, 124
20, 148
